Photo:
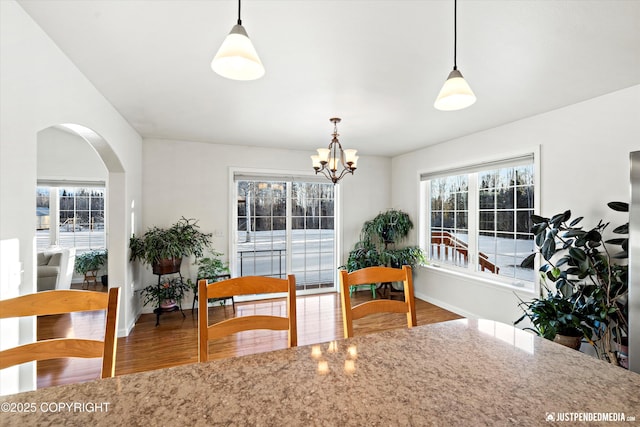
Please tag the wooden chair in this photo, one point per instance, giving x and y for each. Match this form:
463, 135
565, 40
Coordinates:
247, 285
376, 275
61, 302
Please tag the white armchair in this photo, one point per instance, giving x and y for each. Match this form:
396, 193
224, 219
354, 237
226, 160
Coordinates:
55, 268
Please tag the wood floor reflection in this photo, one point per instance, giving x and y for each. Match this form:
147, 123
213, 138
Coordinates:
174, 341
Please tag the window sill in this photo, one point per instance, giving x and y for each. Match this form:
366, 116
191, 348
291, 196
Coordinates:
525, 289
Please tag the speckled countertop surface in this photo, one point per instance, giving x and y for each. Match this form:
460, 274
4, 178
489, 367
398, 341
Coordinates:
464, 372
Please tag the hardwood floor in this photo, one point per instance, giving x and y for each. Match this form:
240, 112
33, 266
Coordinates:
174, 341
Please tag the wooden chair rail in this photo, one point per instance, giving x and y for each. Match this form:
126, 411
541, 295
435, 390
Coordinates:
245, 286
51, 349
247, 323
377, 306
57, 302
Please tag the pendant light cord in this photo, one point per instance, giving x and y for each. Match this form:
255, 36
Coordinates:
239, 20
455, 32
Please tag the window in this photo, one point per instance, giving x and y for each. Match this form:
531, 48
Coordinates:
477, 219
70, 216
285, 225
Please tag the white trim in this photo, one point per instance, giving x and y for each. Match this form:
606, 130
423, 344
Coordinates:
531, 154
481, 279
70, 183
495, 162
446, 306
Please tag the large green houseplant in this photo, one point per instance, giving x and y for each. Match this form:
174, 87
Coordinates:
378, 245
157, 245
89, 263
591, 273
379, 240
212, 268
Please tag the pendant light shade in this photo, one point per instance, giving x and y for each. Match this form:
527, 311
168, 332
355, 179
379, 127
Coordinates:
455, 93
237, 59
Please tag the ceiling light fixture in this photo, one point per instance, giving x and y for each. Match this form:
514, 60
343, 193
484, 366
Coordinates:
237, 59
329, 160
455, 93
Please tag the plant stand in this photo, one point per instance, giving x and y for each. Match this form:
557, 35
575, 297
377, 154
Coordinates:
89, 278
386, 290
160, 310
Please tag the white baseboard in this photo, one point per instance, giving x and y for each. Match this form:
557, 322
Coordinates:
446, 306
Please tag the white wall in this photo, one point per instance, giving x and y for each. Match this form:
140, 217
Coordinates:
40, 87
64, 155
191, 179
584, 164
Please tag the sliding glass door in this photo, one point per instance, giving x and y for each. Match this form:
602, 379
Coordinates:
285, 226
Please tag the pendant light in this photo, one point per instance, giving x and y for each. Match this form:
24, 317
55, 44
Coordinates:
237, 59
455, 93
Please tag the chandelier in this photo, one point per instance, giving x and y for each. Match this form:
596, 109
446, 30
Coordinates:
334, 162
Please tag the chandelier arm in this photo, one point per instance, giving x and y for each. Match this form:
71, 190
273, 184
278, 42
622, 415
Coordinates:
344, 172
327, 175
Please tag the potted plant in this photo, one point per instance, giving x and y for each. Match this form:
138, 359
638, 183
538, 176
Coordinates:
210, 268
556, 317
163, 248
591, 271
379, 238
89, 263
167, 295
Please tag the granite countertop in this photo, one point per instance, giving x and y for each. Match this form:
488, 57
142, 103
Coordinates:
463, 372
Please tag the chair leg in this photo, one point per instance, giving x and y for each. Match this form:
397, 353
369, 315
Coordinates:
373, 291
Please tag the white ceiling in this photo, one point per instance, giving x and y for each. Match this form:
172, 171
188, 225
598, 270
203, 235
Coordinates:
378, 64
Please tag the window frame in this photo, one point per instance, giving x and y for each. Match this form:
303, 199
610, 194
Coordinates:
286, 175
473, 206
54, 188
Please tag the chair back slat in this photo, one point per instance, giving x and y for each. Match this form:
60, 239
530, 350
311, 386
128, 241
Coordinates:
247, 323
45, 303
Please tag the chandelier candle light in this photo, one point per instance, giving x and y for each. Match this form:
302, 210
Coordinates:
237, 59
329, 160
455, 93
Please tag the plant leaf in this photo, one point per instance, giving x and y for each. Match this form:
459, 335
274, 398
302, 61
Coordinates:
574, 233
623, 229
548, 248
619, 206
557, 219
537, 219
576, 221
528, 261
